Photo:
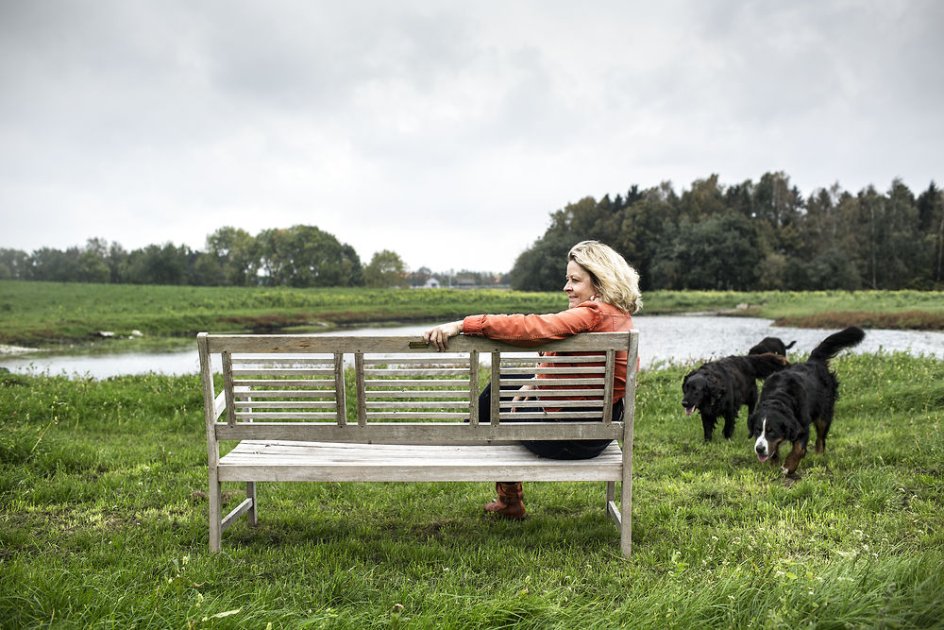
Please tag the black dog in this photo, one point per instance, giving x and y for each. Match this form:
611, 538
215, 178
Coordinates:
795, 398
771, 344
720, 388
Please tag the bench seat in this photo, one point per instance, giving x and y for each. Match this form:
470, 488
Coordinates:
282, 460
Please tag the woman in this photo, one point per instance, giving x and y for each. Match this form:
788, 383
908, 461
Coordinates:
602, 294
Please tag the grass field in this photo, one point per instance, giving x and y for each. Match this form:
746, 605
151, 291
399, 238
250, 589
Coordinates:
103, 524
48, 314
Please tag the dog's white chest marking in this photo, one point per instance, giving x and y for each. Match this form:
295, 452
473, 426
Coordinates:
761, 444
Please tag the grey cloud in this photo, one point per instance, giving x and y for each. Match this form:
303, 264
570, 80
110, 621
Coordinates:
174, 117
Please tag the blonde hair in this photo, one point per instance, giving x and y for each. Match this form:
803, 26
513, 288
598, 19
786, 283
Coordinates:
615, 281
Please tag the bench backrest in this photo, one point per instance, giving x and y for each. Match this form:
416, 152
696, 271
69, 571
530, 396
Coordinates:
298, 387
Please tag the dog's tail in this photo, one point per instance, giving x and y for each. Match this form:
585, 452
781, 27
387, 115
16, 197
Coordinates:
837, 342
766, 364
791, 344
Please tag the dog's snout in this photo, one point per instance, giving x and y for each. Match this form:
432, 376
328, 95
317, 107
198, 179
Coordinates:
760, 448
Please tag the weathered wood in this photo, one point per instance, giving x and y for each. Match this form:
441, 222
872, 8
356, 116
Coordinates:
416, 411
329, 344
270, 460
361, 387
474, 387
228, 387
394, 373
541, 381
418, 404
340, 389
286, 393
285, 404
608, 378
414, 383
553, 370
281, 371
629, 414
230, 518
418, 432
495, 382
277, 382
259, 415
213, 409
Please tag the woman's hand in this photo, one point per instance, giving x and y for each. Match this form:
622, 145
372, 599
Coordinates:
440, 334
521, 396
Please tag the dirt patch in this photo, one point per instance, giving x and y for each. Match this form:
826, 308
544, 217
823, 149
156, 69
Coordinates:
268, 323
903, 320
14, 350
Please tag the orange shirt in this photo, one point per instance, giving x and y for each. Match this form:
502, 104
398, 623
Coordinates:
532, 330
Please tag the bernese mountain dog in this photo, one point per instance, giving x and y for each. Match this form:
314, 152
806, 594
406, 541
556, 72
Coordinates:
772, 344
793, 399
722, 387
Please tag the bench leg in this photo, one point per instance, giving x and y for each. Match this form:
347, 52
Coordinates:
626, 516
216, 516
251, 495
610, 494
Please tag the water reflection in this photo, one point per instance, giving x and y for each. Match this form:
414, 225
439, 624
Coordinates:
663, 340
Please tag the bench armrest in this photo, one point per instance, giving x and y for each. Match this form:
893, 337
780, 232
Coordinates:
219, 405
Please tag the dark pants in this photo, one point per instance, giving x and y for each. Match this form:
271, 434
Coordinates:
552, 449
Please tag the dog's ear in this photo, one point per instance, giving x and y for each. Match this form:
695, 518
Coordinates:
753, 424
792, 428
766, 364
715, 387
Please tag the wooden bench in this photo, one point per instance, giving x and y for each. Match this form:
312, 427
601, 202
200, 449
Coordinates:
410, 414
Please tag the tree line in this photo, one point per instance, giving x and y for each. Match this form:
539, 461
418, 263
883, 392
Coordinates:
300, 256
753, 236
743, 237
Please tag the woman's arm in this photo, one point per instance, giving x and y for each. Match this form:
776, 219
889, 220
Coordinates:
521, 330
440, 334
530, 330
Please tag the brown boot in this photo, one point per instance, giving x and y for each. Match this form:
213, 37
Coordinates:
510, 501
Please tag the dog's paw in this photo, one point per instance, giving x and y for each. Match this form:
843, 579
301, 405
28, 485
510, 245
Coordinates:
789, 478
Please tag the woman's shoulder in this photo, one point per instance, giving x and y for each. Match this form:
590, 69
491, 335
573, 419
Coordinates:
603, 307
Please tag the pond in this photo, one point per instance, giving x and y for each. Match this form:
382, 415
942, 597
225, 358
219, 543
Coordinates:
663, 340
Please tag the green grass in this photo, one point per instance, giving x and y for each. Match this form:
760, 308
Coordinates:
817, 309
46, 313
103, 523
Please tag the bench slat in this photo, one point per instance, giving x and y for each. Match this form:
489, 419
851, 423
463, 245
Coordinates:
282, 382
397, 372
556, 381
418, 404
415, 383
420, 393
270, 460
282, 371
415, 415
287, 393
537, 359
552, 370
286, 404
417, 433
263, 416
287, 344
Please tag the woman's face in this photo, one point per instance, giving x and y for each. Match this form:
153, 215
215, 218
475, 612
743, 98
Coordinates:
578, 287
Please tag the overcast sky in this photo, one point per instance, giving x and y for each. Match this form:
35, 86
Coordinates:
445, 131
